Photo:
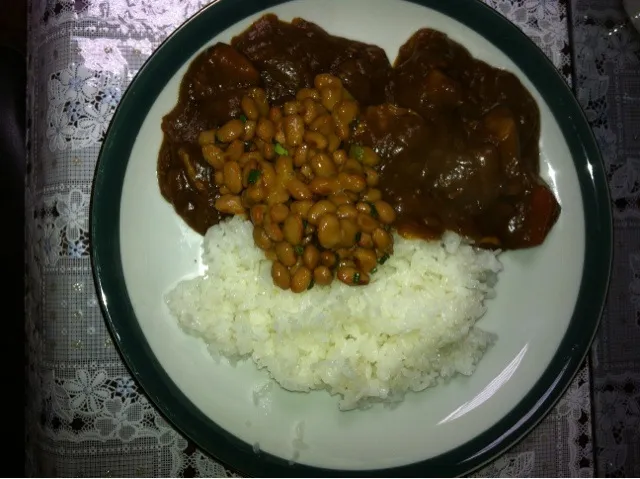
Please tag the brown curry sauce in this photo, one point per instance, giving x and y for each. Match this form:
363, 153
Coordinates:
458, 138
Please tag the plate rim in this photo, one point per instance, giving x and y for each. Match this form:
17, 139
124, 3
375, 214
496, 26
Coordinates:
121, 321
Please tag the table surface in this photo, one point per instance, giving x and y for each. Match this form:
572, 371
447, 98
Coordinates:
607, 66
87, 417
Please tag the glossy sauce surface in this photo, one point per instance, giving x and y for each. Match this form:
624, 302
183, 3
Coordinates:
458, 138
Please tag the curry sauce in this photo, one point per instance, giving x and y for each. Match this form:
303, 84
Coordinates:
457, 138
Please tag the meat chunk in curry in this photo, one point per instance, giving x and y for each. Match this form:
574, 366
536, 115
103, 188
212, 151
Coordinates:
457, 138
210, 94
290, 55
462, 152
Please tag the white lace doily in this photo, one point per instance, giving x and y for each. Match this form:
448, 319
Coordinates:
86, 416
608, 80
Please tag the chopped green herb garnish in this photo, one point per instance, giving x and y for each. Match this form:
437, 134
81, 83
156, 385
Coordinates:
356, 278
374, 270
311, 285
299, 250
383, 259
305, 223
374, 210
358, 236
254, 176
357, 152
243, 118
281, 150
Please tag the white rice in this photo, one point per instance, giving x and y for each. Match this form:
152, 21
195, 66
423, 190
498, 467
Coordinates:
413, 324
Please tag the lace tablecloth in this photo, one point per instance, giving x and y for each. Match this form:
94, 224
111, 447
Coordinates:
86, 416
607, 70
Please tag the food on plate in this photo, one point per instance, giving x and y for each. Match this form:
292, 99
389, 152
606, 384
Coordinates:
457, 138
210, 95
290, 55
304, 157
314, 206
460, 147
410, 328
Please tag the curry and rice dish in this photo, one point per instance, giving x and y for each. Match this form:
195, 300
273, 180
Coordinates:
311, 164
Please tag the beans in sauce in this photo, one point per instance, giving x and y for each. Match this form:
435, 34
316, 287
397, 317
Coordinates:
295, 216
311, 135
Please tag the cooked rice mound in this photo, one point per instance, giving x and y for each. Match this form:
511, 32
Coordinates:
411, 326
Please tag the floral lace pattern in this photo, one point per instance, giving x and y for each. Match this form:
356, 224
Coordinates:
510, 465
87, 416
618, 401
81, 103
61, 223
605, 46
608, 79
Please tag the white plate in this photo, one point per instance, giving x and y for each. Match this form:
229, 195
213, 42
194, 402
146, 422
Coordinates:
536, 294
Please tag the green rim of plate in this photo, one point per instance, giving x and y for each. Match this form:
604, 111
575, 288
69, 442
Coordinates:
124, 327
